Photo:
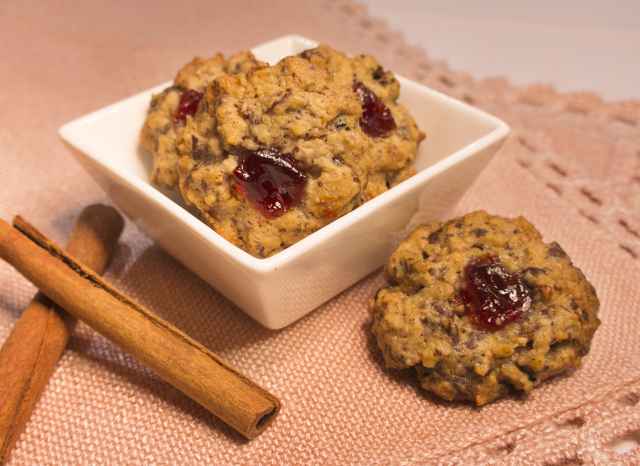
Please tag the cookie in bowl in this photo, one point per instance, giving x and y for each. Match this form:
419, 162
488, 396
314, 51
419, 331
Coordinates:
170, 108
481, 307
271, 154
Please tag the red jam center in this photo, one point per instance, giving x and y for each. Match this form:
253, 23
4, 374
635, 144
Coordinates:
376, 119
188, 105
493, 296
270, 180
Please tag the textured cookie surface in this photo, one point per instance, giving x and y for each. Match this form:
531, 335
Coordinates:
421, 319
317, 113
162, 128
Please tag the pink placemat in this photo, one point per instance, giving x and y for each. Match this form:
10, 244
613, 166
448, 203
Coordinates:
572, 167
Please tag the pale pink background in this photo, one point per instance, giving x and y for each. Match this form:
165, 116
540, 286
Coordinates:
572, 44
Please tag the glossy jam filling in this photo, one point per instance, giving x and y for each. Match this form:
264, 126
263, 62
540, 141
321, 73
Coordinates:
270, 180
376, 120
492, 295
188, 105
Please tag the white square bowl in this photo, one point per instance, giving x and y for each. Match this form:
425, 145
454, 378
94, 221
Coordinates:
280, 289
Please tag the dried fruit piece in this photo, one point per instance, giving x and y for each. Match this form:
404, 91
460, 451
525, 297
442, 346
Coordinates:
492, 295
188, 105
270, 180
376, 119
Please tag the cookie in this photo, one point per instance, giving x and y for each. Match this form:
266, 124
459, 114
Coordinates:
169, 110
481, 307
276, 152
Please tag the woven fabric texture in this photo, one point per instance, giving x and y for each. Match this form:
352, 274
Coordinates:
572, 166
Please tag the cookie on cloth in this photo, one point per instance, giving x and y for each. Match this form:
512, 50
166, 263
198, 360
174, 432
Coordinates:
481, 307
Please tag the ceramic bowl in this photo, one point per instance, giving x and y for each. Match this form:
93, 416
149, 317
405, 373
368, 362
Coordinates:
280, 289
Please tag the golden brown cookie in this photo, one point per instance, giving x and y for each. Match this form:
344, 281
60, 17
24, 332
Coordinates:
480, 306
277, 152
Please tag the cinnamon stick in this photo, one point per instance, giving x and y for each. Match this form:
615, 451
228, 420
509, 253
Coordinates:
28, 357
174, 356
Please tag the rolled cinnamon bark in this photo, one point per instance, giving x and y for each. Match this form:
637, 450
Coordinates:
39, 337
174, 356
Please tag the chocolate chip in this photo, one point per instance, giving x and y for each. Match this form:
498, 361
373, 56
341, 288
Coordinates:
199, 151
479, 232
378, 73
406, 266
340, 123
306, 54
279, 100
435, 236
154, 102
381, 76
314, 171
555, 250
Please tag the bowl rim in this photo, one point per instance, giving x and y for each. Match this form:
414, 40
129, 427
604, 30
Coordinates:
263, 266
